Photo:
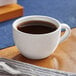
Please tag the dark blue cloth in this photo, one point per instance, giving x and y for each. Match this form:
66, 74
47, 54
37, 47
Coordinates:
63, 10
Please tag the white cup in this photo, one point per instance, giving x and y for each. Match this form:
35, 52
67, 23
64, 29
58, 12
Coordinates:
38, 46
6, 2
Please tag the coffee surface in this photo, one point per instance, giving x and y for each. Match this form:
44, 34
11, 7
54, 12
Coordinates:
36, 27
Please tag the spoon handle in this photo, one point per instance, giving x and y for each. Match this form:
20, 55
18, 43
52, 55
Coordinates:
9, 69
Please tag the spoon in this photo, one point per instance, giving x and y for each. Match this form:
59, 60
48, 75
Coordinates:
6, 67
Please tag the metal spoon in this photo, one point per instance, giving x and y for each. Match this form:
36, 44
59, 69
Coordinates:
9, 69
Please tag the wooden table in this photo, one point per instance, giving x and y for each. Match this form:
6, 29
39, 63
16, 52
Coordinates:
64, 58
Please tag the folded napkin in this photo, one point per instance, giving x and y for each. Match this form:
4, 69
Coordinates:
31, 70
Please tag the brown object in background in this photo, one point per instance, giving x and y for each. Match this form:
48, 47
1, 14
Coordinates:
10, 11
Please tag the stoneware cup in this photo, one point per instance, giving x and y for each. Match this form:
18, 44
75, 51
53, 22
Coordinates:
38, 46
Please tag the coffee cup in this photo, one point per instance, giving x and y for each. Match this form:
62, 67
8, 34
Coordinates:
38, 44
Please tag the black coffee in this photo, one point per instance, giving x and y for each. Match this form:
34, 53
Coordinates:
36, 27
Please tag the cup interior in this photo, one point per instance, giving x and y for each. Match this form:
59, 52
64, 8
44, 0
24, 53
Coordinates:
35, 17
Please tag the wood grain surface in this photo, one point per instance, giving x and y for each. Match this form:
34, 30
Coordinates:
64, 58
10, 11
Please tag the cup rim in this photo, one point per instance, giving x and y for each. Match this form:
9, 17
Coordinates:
25, 17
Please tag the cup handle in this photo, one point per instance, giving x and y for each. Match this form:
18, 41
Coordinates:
67, 32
